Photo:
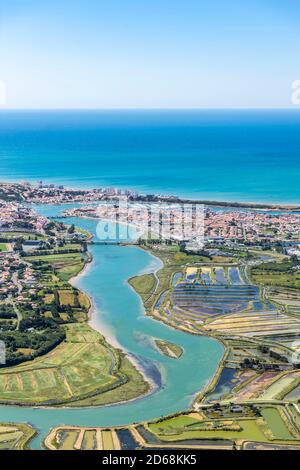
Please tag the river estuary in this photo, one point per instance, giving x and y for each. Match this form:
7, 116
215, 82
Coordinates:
119, 315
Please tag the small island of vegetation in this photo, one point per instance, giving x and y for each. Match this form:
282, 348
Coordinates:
168, 349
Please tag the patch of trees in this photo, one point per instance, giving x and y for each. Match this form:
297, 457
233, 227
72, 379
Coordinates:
39, 342
7, 315
282, 267
20, 224
71, 229
12, 196
18, 244
253, 363
37, 323
42, 252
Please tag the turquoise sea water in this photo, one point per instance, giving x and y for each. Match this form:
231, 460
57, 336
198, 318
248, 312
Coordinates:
220, 155
119, 312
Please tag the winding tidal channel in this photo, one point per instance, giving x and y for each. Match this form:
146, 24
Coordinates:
119, 315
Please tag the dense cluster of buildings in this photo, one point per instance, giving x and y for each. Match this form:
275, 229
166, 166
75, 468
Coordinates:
251, 226
166, 221
14, 276
19, 216
58, 194
14, 273
190, 222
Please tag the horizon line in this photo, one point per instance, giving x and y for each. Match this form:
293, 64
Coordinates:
290, 108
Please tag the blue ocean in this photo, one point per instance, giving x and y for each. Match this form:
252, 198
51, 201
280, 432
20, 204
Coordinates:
212, 155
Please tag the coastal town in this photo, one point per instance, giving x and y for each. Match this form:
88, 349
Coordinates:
165, 217
50, 193
232, 274
189, 222
42, 193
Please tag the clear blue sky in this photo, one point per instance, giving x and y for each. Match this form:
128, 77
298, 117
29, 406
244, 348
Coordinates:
149, 53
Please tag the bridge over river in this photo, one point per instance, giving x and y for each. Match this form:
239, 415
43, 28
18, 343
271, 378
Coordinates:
111, 242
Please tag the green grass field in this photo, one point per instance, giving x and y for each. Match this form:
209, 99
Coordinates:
67, 298
134, 386
80, 366
3, 247
15, 436
276, 424
25, 235
78, 438
82, 370
271, 426
144, 285
280, 274
89, 440
184, 428
66, 439
107, 440
67, 265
